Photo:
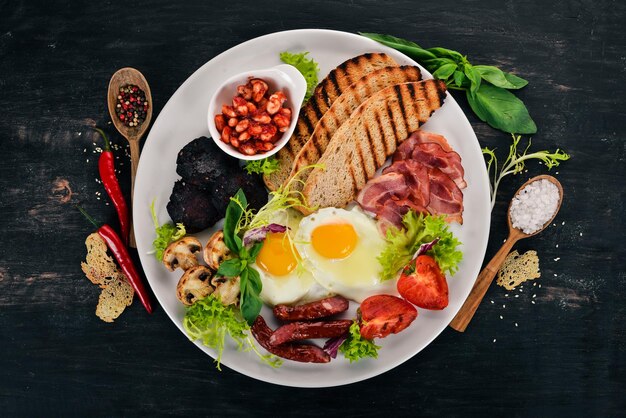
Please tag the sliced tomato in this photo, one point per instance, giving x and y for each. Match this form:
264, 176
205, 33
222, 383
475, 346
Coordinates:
382, 315
423, 284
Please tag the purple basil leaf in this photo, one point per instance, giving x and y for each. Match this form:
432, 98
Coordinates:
424, 248
259, 234
332, 345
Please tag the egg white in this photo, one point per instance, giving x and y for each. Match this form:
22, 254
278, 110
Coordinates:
356, 276
291, 287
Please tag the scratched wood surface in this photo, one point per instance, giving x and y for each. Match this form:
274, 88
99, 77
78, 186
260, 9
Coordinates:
563, 354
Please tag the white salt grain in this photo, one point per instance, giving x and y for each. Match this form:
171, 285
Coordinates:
534, 205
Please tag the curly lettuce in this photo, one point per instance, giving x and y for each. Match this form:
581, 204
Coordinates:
419, 229
209, 321
307, 67
165, 234
355, 347
264, 166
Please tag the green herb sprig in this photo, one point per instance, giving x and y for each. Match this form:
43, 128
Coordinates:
486, 87
516, 162
165, 234
249, 279
209, 321
355, 347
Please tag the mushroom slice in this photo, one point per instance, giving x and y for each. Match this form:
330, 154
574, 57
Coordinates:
226, 289
182, 253
194, 285
216, 250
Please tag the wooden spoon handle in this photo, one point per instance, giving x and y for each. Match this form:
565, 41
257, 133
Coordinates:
134, 159
464, 316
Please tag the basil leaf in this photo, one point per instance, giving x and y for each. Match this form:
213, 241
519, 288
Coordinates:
498, 78
231, 221
501, 109
460, 79
445, 71
474, 77
446, 53
254, 281
409, 48
516, 81
254, 251
230, 268
250, 302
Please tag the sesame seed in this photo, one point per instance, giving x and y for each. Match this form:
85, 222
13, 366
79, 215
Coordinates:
506, 295
517, 296
503, 306
555, 275
581, 234
557, 245
539, 286
501, 317
563, 223
491, 301
535, 295
533, 302
494, 340
557, 259
516, 324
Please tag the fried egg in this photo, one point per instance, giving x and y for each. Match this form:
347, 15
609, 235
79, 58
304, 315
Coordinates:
340, 247
279, 265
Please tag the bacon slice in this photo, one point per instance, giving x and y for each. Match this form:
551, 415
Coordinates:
426, 176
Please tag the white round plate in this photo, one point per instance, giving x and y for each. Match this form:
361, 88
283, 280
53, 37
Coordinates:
184, 118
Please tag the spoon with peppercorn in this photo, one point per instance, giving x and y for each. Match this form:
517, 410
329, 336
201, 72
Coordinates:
130, 107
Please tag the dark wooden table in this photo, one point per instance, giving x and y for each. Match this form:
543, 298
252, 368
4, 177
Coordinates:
563, 354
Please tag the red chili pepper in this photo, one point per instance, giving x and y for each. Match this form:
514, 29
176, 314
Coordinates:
106, 166
119, 251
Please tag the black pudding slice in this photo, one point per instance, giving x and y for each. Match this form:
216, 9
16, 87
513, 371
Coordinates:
201, 162
192, 207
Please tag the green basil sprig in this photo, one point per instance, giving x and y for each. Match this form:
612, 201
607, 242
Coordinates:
486, 87
250, 285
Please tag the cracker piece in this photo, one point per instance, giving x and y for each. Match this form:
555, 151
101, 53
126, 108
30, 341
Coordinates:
517, 269
101, 270
114, 298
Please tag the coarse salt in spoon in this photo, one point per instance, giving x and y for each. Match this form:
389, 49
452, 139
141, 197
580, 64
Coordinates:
532, 208
122, 77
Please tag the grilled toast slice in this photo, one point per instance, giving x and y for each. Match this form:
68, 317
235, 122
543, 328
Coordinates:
343, 107
324, 95
362, 144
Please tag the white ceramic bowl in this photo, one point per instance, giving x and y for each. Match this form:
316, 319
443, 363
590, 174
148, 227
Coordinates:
285, 78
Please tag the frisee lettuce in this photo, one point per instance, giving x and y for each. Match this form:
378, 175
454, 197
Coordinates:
355, 347
209, 321
419, 229
165, 234
516, 162
264, 166
307, 67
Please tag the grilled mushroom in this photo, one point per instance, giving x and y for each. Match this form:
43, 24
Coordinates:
216, 250
194, 285
227, 289
182, 253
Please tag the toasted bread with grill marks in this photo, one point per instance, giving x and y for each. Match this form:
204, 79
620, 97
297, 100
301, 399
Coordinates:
324, 95
343, 107
362, 143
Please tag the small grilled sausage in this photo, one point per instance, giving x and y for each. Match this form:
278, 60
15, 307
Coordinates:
304, 353
304, 330
314, 310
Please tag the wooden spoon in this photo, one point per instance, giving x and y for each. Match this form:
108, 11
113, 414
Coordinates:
464, 316
132, 134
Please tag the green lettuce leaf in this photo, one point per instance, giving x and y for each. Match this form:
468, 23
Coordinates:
307, 67
355, 347
209, 321
419, 229
165, 234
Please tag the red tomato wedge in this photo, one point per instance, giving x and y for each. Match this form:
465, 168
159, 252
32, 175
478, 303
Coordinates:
382, 315
423, 284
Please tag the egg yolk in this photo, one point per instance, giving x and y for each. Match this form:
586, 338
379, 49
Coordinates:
276, 256
335, 240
